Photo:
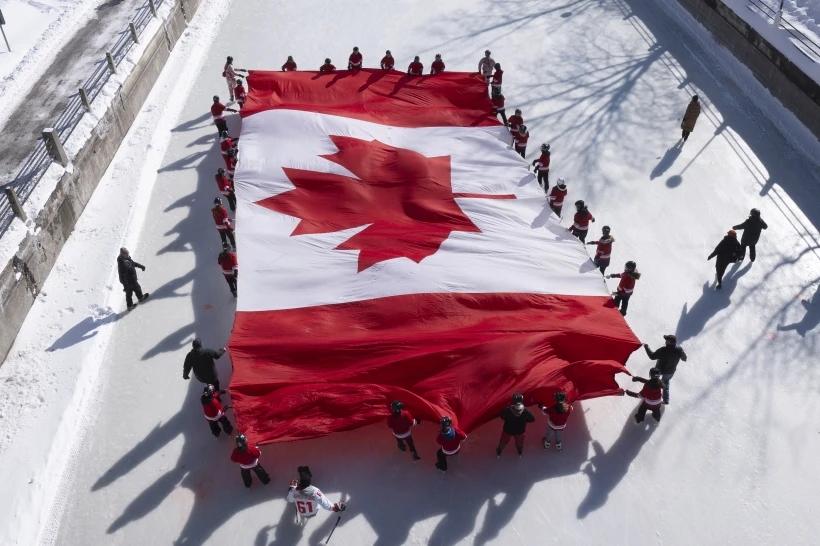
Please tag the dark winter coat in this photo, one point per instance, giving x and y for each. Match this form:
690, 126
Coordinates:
727, 251
126, 267
751, 227
667, 357
691, 116
515, 424
202, 362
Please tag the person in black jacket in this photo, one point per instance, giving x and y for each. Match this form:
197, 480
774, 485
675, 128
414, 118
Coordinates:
751, 227
127, 269
668, 357
202, 362
727, 251
515, 417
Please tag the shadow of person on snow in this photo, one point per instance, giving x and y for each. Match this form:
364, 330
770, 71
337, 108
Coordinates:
810, 320
667, 160
83, 330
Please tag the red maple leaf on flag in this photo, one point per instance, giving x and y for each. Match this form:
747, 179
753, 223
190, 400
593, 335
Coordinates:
404, 198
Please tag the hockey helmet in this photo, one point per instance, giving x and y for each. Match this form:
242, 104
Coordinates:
605, 230
238, 81
731, 233
242, 441
695, 98
487, 53
562, 183
327, 61
560, 396
631, 266
355, 49
196, 343
226, 247
416, 59
220, 170
396, 406
754, 212
230, 59
223, 134
518, 398
580, 204
290, 57
217, 201
216, 98
438, 56
497, 66
545, 147
518, 111
654, 372
446, 423
388, 52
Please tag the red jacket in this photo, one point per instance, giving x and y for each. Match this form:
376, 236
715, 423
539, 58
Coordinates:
652, 396
497, 77
227, 260
415, 68
226, 144
603, 250
221, 218
437, 67
557, 419
387, 62
230, 163
216, 110
246, 458
213, 409
224, 184
450, 446
557, 196
627, 284
239, 92
355, 60
401, 424
327, 68
521, 140
543, 162
288, 66
498, 102
582, 219
515, 121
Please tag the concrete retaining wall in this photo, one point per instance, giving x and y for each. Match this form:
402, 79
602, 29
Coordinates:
22, 277
796, 90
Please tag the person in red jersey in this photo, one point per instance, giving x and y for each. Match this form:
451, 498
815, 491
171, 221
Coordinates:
247, 457
497, 78
239, 93
542, 167
557, 195
581, 220
520, 140
230, 161
401, 422
354, 62
415, 68
230, 267
449, 439
626, 285
225, 185
290, 65
214, 412
223, 222
498, 101
651, 395
603, 250
515, 121
217, 111
516, 418
438, 65
387, 61
327, 67
557, 416
226, 143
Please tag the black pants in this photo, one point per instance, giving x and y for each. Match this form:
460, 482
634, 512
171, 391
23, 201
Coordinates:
231, 197
622, 301
231, 280
580, 233
522, 151
226, 426
130, 290
260, 473
751, 246
221, 125
544, 178
212, 381
684, 134
720, 269
226, 235
602, 264
557, 210
441, 460
503, 114
410, 443
644, 407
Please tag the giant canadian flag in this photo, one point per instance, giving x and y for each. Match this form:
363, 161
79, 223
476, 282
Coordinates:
393, 246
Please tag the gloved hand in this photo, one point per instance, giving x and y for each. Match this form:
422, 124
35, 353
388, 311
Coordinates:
339, 507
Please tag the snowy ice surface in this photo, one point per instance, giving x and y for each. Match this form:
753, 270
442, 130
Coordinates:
605, 82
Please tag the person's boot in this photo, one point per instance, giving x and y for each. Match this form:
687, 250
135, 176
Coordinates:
416, 456
144, 297
546, 443
401, 445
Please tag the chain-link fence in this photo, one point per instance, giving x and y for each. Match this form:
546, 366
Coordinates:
37, 162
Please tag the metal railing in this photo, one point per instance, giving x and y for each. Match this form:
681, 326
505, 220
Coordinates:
35, 165
773, 16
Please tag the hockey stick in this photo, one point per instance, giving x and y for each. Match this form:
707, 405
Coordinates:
338, 519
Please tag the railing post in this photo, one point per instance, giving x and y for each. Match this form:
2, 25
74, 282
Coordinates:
15, 203
779, 15
133, 30
84, 99
55, 147
152, 7
110, 60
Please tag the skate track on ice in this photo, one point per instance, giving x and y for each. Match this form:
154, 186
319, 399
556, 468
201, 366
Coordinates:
733, 460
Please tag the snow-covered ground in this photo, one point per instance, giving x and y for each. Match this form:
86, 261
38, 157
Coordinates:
605, 82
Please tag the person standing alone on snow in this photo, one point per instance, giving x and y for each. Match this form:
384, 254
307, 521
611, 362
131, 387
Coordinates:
668, 357
751, 226
247, 457
515, 417
626, 285
726, 252
201, 361
687, 124
401, 422
308, 498
486, 65
449, 439
557, 416
126, 268
651, 396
